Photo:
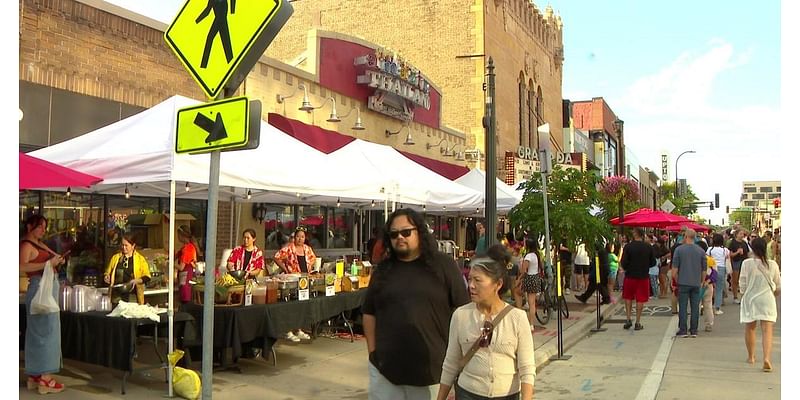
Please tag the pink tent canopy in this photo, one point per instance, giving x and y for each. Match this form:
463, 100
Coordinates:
35, 173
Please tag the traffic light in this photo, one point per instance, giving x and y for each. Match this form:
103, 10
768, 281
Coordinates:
716, 200
727, 209
711, 206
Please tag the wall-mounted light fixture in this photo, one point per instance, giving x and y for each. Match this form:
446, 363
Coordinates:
442, 150
249, 194
127, 193
69, 191
409, 141
186, 187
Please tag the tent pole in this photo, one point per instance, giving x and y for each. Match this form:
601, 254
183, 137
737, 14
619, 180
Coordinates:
171, 293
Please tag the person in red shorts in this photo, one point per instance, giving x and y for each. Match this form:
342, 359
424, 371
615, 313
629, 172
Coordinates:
639, 257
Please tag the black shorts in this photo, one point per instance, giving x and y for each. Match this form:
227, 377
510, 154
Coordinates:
532, 283
581, 269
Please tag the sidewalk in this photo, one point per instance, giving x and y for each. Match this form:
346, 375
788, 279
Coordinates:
653, 364
325, 368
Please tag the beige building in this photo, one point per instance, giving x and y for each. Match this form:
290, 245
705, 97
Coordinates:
763, 199
450, 41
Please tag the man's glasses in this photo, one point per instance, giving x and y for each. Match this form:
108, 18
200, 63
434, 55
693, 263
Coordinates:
405, 232
486, 334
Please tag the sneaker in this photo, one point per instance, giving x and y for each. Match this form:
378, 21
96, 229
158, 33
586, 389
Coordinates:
627, 325
566, 291
682, 334
303, 335
291, 336
719, 312
736, 301
693, 335
638, 327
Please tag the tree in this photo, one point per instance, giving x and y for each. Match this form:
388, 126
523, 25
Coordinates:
614, 189
571, 194
744, 216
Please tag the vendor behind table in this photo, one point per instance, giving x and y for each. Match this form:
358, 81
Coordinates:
127, 270
296, 257
247, 256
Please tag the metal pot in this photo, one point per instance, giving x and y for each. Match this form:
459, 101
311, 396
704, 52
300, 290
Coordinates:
288, 291
104, 304
82, 299
64, 297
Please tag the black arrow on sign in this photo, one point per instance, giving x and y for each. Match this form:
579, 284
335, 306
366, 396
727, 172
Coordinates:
216, 129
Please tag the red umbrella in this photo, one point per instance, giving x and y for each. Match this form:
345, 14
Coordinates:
35, 173
691, 225
647, 218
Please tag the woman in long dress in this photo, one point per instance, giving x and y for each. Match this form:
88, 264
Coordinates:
759, 283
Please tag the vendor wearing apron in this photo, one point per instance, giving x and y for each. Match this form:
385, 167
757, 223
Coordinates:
130, 268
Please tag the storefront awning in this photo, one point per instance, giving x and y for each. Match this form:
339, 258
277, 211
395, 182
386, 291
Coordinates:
442, 168
35, 173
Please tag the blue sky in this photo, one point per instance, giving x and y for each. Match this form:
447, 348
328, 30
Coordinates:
683, 75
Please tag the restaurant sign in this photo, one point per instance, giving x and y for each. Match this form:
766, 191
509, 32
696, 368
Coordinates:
399, 87
531, 154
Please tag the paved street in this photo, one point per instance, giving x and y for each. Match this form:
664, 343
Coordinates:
614, 364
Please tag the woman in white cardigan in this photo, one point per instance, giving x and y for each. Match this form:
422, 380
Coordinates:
759, 283
503, 366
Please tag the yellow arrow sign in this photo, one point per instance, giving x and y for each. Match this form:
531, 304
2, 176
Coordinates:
214, 38
213, 126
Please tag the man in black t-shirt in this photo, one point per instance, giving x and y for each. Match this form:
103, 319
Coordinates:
636, 262
739, 251
406, 313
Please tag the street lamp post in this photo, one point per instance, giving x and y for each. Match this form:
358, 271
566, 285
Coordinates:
489, 122
618, 125
676, 170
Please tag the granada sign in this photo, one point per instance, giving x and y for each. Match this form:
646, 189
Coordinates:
399, 87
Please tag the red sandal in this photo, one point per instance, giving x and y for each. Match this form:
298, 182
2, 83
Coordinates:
49, 386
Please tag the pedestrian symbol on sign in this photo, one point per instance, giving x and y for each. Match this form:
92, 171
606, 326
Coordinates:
218, 27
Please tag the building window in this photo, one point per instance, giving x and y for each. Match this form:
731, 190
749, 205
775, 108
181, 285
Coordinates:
749, 190
532, 131
774, 196
745, 196
750, 203
778, 189
758, 196
522, 114
765, 189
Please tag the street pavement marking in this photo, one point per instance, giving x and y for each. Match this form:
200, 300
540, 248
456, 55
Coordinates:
652, 382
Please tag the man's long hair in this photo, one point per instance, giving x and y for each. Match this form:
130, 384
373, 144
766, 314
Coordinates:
427, 243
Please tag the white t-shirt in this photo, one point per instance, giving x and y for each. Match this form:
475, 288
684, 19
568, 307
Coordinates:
581, 257
719, 254
533, 263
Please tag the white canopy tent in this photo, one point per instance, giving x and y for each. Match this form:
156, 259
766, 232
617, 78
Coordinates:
507, 197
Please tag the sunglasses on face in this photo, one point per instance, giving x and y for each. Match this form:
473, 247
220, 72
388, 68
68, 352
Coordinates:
405, 232
486, 334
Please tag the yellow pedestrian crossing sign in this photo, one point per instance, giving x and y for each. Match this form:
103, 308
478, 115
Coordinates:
219, 41
226, 124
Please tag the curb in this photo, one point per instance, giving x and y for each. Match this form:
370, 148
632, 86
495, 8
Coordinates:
572, 335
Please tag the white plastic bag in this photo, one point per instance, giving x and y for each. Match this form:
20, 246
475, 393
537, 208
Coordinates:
43, 301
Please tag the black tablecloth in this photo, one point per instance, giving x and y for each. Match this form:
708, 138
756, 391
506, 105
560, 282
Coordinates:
260, 325
94, 338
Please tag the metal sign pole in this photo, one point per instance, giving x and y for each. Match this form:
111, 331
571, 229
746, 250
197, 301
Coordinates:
211, 268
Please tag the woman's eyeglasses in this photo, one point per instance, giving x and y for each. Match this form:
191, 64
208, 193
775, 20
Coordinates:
486, 334
405, 232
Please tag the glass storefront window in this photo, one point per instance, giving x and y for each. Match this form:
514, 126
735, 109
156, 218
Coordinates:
339, 228
313, 219
278, 224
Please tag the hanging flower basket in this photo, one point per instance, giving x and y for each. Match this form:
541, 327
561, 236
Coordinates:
616, 188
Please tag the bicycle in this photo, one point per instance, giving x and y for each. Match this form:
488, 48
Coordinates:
547, 302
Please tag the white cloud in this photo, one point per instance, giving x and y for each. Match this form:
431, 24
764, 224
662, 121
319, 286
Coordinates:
677, 109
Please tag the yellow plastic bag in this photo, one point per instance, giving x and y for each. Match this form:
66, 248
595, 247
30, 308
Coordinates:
185, 382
